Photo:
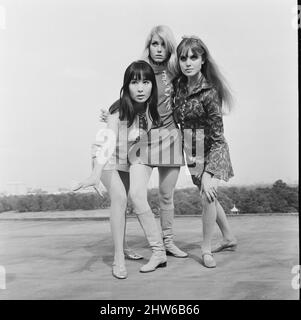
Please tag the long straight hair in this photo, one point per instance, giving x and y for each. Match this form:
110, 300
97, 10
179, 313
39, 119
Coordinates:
137, 70
165, 33
209, 68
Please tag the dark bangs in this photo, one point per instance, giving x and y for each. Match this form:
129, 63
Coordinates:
192, 44
138, 70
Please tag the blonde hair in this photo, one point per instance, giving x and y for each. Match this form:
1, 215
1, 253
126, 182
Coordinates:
165, 33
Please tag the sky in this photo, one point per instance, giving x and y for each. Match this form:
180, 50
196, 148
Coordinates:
60, 61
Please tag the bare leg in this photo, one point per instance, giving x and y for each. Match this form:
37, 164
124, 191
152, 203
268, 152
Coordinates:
209, 219
129, 253
125, 177
93, 181
140, 175
116, 189
223, 223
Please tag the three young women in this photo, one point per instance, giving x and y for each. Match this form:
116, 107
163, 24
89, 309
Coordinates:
199, 94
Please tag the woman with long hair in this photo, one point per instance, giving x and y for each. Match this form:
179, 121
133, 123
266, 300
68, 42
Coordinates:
130, 117
201, 97
163, 145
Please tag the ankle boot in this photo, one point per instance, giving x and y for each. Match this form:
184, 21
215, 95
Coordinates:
152, 233
167, 218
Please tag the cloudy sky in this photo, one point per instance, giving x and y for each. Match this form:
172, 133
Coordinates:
61, 61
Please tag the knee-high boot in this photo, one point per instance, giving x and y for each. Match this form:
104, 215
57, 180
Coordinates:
152, 233
167, 219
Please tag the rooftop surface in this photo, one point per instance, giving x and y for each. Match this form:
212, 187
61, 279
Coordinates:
71, 259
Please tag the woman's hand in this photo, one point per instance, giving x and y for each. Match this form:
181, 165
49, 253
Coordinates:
209, 186
103, 117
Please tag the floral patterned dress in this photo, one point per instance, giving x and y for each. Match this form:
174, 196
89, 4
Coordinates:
201, 112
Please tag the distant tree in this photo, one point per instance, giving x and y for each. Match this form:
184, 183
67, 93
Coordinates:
61, 202
263, 199
279, 186
33, 203
225, 201
185, 207
6, 203
48, 203
21, 205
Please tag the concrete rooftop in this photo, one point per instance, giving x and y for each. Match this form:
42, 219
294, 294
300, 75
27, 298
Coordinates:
71, 259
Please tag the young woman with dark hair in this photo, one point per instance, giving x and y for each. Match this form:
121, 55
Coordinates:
200, 99
130, 118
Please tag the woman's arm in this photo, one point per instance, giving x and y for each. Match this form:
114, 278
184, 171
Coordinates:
102, 151
217, 163
105, 144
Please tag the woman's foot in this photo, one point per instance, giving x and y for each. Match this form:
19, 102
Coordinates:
118, 267
130, 254
119, 271
173, 250
226, 245
157, 260
208, 259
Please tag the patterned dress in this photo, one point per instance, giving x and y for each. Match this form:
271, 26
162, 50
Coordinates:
199, 113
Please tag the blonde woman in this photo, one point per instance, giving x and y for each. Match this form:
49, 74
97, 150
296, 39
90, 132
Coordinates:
164, 143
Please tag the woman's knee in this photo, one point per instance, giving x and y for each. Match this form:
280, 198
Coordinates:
166, 199
118, 198
206, 202
139, 200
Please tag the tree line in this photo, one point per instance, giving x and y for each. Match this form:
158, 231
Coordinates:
279, 198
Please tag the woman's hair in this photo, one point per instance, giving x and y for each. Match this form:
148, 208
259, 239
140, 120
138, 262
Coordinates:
165, 33
209, 68
137, 70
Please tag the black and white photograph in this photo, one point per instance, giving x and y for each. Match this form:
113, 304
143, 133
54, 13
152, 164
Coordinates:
149, 152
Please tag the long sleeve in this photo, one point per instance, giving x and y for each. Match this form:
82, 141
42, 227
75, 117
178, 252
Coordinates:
217, 160
105, 144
